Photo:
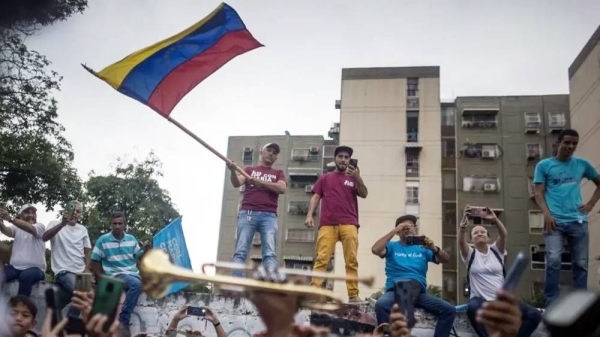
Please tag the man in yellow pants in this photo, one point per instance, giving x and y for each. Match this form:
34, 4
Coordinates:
339, 216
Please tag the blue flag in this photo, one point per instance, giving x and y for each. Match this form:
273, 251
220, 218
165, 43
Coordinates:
171, 240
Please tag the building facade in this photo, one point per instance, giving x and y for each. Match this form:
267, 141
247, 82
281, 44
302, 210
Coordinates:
303, 159
386, 116
584, 87
499, 140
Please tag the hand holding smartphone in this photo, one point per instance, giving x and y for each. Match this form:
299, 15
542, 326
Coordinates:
354, 163
107, 298
196, 311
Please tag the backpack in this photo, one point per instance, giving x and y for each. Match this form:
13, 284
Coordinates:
496, 254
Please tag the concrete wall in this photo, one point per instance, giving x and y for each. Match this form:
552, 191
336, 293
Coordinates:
584, 87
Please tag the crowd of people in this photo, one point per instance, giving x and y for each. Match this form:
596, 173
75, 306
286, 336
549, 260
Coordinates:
491, 312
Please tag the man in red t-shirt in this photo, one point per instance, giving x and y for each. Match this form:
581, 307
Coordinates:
259, 207
339, 216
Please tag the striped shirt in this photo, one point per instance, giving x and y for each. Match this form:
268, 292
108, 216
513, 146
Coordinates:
117, 256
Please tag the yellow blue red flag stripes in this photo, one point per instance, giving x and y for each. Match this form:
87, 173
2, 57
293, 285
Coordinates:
162, 74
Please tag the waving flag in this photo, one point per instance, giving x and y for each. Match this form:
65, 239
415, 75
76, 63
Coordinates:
159, 76
171, 240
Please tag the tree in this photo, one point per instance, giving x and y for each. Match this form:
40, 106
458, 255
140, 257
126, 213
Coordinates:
134, 190
35, 158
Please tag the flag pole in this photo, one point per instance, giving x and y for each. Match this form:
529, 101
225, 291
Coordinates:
208, 147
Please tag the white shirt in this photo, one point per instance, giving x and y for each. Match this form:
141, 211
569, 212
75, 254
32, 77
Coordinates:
68, 248
486, 275
28, 250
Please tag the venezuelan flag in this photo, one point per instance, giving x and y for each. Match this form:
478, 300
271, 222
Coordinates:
159, 76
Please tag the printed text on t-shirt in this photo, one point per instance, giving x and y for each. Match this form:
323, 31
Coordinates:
264, 177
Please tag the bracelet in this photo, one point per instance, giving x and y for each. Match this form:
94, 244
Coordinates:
216, 325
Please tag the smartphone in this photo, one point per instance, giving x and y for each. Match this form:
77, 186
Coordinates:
83, 282
51, 304
477, 212
403, 296
106, 299
415, 240
196, 311
515, 272
71, 208
354, 163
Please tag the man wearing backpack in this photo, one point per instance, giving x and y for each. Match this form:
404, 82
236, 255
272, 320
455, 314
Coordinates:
485, 271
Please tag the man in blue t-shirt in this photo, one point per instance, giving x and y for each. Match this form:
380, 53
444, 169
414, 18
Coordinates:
557, 191
404, 262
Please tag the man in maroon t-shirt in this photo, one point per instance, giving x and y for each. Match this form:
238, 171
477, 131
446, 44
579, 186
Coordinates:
259, 206
339, 216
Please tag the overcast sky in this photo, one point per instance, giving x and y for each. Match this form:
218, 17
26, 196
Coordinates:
483, 48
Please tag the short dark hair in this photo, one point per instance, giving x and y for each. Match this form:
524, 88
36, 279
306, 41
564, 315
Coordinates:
118, 214
567, 132
26, 301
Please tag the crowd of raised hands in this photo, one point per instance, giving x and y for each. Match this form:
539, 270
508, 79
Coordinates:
502, 318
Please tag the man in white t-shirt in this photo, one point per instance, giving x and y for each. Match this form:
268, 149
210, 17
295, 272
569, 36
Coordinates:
71, 249
28, 258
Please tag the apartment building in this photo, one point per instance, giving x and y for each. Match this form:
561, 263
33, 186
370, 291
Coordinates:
498, 142
387, 115
303, 159
584, 85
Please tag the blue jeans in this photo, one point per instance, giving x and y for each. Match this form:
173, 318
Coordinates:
66, 283
578, 242
443, 311
133, 290
27, 278
250, 222
531, 318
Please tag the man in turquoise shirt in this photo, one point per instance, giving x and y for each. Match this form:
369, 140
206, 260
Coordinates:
404, 262
558, 193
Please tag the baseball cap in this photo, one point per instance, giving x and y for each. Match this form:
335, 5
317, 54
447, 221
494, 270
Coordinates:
343, 148
26, 207
273, 146
406, 217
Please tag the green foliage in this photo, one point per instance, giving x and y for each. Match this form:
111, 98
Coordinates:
6, 251
435, 291
134, 190
35, 158
537, 299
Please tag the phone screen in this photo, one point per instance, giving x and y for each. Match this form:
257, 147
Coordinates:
354, 163
196, 311
515, 272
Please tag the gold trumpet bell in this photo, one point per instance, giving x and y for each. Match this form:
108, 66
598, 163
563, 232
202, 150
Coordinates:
158, 273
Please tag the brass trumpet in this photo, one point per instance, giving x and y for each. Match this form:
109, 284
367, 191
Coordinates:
158, 273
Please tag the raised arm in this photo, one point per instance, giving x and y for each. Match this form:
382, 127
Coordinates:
463, 232
24, 225
502, 232
6, 230
236, 179
379, 247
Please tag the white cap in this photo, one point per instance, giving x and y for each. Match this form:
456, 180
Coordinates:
26, 207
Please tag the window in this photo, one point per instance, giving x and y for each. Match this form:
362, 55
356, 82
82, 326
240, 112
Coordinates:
481, 184
412, 165
448, 180
412, 126
448, 116
448, 148
556, 120
298, 208
449, 245
538, 258
449, 218
412, 195
300, 235
412, 87
304, 155
480, 151
476, 119
536, 222
534, 151
247, 158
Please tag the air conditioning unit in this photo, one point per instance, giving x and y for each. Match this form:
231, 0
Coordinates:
248, 149
467, 124
314, 149
308, 189
489, 187
300, 154
488, 154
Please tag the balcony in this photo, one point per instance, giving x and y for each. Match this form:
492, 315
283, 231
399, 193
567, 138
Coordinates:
481, 183
480, 119
533, 122
412, 103
449, 163
556, 122
480, 151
